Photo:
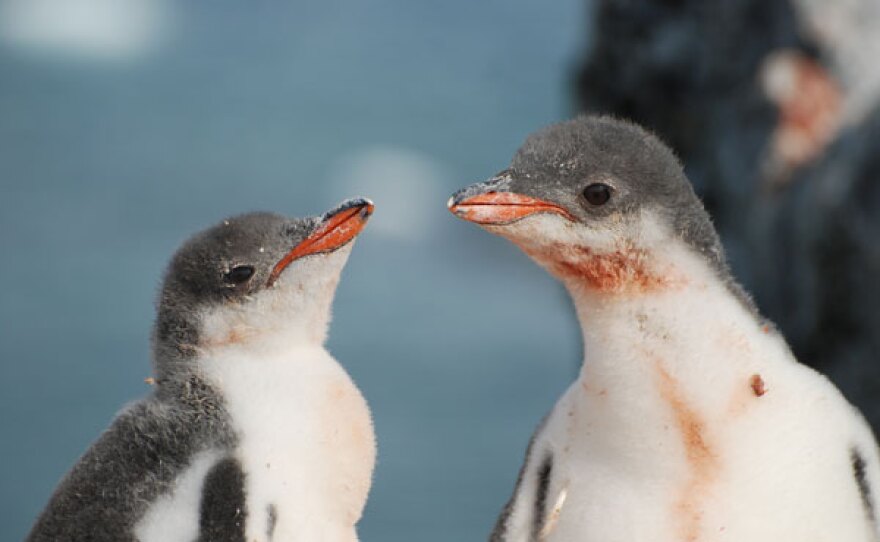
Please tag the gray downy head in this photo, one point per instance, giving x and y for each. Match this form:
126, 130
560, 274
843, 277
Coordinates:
252, 277
598, 186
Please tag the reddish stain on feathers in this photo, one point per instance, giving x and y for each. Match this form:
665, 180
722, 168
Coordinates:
597, 393
757, 384
625, 269
235, 336
700, 456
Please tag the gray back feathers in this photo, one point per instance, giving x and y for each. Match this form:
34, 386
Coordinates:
133, 462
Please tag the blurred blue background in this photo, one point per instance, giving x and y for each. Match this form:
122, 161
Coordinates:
126, 125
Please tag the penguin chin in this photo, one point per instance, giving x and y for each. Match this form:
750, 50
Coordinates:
619, 255
313, 271
294, 311
540, 235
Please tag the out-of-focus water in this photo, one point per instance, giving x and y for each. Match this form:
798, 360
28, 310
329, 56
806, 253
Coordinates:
108, 161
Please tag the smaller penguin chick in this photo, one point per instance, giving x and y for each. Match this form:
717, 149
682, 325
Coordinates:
253, 432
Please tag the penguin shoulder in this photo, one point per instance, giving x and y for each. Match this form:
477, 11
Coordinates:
134, 461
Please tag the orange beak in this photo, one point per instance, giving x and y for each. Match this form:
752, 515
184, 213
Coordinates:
499, 208
339, 227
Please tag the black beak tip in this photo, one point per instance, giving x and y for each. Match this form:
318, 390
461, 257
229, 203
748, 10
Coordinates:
467, 192
498, 183
455, 199
365, 204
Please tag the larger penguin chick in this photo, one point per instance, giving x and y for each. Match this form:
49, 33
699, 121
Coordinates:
690, 420
254, 432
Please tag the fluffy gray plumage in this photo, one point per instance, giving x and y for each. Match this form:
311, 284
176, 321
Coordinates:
572, 154
199, 276
152, 441
556, 164
132, 463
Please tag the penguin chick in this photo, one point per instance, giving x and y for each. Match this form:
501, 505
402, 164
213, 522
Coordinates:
254, 432
690, 420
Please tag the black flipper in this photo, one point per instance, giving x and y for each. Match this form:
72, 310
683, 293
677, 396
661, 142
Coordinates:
273, 520
499, 532
222, 512
545, 473
861, 477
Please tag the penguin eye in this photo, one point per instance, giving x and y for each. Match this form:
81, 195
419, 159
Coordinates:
239, 274
597, 194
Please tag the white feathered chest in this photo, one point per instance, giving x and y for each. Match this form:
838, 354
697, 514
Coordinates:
306, 441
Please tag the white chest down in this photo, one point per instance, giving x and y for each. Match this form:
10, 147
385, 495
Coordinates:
692, 427
305, 445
